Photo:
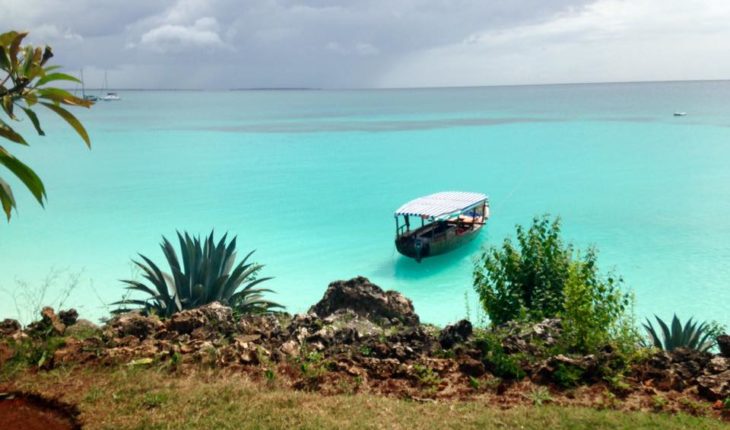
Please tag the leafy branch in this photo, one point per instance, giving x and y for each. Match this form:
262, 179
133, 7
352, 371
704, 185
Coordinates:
24, 87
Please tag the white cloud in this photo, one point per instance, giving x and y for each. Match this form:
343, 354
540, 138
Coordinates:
203, 33
366, 49
49, 33
610, 40
362, 49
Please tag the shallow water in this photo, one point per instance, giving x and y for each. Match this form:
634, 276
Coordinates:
310, 180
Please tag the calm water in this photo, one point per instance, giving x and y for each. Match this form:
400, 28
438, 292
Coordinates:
310, 180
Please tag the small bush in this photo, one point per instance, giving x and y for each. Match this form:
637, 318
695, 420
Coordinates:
595, 313
567, 376
658, 402
426, 376
33, 352
542, 277
526, 280
497, 360
540, 395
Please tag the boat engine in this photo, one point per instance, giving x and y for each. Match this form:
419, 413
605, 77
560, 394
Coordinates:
421, 247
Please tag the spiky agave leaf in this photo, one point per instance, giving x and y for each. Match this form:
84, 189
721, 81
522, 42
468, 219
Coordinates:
691, 335
653, 337
677, 336
205, 271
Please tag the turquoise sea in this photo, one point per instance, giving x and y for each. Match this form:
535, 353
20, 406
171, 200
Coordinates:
310, 179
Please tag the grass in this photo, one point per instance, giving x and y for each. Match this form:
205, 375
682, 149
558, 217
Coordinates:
147, 398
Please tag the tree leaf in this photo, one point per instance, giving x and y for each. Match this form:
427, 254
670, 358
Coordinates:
47, 55
7, 102
25, 174
7, 132
4, 59
34, 119
62, 96
14, 47
71, 120
7, 38
56, 77
6, 198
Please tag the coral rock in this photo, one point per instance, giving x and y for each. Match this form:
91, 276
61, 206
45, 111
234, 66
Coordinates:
68, 317
718, 364
290, 348
714, 387
723, 342
472, 367
455, 333
367, 300
133, 324
50, 324
9, 327
211, 320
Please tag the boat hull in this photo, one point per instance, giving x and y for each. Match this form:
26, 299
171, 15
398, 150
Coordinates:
419, 246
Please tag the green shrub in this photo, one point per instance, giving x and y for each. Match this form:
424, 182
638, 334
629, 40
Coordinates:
567, 376
527, 280
426, 376
204, 274
497, 360
658, 402
595, 313
691, 335
542, 277
539, 395
33, 353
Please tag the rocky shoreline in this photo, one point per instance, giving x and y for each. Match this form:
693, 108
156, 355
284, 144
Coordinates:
359, 338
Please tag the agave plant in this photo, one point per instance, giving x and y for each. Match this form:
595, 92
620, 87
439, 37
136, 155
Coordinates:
691, 335
204, 273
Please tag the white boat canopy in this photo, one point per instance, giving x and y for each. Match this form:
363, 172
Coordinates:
441, 204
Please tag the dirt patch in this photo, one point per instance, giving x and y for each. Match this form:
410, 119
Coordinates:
33, 412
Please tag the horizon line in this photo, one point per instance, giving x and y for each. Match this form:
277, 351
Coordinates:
284, 88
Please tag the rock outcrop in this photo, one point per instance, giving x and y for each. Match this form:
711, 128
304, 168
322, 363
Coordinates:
49, 324
360, 334
68, 317
455, 333
132, 324
9, 328
366, 300
208, 321
530, 338
723, 342
681, 369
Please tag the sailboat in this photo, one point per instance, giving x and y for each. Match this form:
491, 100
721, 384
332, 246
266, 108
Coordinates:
109, 96
87, 97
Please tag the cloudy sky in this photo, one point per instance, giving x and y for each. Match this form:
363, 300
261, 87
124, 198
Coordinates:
217, 44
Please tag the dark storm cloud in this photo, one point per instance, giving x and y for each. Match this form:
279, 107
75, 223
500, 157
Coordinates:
232, 43
329, 43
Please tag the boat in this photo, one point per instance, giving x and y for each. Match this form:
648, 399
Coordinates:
109, 96
680, 113
448, 220
87, 97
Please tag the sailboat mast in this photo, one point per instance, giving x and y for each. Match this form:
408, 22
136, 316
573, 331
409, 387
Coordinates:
83, 90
